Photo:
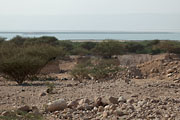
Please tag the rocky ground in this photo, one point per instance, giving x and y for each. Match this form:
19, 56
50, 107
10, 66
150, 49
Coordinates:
146, 95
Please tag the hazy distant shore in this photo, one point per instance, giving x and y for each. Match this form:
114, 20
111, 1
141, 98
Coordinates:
97, 36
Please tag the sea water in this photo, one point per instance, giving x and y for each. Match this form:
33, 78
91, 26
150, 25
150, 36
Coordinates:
97, 35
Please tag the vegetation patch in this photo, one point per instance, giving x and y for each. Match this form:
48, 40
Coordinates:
23, 63
20, 115
96, 69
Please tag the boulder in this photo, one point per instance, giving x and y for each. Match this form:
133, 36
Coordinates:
56, 105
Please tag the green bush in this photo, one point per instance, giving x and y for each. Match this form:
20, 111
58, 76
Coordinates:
168, 46
88, 45
42, 40
105, 69
108, 48
134, 47
20, 115
96, 69
2, 39
23, 63
66, 44
80, 51
81, 70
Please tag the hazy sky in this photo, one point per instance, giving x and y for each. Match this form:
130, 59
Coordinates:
99, 15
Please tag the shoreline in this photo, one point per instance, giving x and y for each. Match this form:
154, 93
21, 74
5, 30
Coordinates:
100, 40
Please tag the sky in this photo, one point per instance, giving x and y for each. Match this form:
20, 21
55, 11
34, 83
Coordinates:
89, 15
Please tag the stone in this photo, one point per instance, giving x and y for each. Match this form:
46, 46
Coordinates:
141, 103
69, 85
84, 106
113, 100
100, 109
170, 71
82, 101
73, 104
98, 101
119, 113
24, 108
105, 114
95, 109
130, 101
112, 107
154, 70
122, 99
43, 94
107, 107
64, 79
169, 75
5, 113
127, 80
135, 95
56, 105
35, 110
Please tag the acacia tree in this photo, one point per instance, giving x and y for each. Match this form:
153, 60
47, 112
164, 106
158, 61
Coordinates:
22, 63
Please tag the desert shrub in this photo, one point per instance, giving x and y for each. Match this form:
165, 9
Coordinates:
79, 51
96, 69
18, 40
108, 48
105, 69
153, 42
42, 40
81, 70
50, 87
168, 46
2, 39
134, 47
88, 45
20, 115
66, 44
23, 63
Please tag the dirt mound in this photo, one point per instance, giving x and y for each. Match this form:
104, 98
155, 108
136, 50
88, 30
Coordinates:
130, 73
135, 59
150, 66
164, 66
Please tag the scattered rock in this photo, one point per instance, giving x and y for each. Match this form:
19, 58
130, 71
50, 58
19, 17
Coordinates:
119, 113
130, 101
5, 113
100, 109
121, 99
113, 100
43, 94
105, 114
56, 105
98, 101
73, 104
25, 108
64, 78
35, 110
170, 71
82, 101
